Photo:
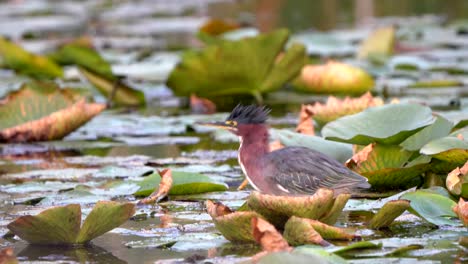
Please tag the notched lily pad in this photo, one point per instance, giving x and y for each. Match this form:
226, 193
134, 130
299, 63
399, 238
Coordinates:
450, 149
183, 183
388, 167
387, 124
254, 67
43, 111
334, 78
278, 209
389, 212
61, 225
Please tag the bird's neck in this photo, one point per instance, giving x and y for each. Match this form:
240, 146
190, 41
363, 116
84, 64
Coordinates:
253, 146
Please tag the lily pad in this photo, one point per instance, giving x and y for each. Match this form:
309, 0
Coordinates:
388, 124
249, 66
379, 44
121, 93
389, 167
61, 225
388, 213
450, 149
278, 209
42, 111
20, 60
334, 78
317, 257
440, 128
457, 181
339, 151
433, 207
183, 183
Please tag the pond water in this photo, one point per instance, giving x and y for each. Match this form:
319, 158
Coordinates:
141, 39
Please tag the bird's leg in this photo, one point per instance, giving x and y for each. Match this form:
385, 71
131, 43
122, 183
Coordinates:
115, 87
243, 185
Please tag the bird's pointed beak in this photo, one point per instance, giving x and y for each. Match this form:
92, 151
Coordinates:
221, 125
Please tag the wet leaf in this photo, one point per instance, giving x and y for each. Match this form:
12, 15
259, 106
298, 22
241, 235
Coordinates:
380, 43
278, 209
450, 149
389, 212
268, 237
215, 27
461, 209
41, 111
433, 207
457, 181
357, 246
440, 128
336, 108
20, 60
388, 167
320, 253
339, 151
387, 124
56, 226
436, 84
162, 191
105, 216
234, 226
334, 78
298, 258
183, 183
123, 94
305, 125
299, 231
252, 67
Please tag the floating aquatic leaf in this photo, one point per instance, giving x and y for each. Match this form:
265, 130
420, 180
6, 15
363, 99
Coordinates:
323, 254
163, 189
388, 213
339, 151
440, 128
457, 181
278, 209
450, 149
299, 231
20, 60
357, 246
42, 111
461, 209
316, 257
120, 93
334, 78
433, 207
436, 84
253, 67
61, 225
336, 108
234, 226
268, 237
388, 166
183, 183
379, 44
215, 27
387, 124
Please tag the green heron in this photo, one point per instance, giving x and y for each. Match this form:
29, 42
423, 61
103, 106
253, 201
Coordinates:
289, 170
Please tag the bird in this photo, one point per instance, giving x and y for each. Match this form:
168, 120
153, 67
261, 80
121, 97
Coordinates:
289, 171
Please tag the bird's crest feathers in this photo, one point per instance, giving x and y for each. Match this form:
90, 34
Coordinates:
249, 114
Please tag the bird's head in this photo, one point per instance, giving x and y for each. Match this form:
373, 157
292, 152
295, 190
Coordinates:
243, 119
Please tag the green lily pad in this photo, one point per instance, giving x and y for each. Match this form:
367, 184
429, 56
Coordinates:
124, 94
183, 183
248, 66
390, 167
379, 43
319, 252
357, 246
440, 128
278, 209
337, 150
431, 206
20, 60
316, 256
388, 213
61, 225
387, 124
43, 111
450, 149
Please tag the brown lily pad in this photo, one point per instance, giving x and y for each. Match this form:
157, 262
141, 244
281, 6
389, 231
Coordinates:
61, 225
268, 237
388, 213
40, 111
278, 209
457, 181
461, 209
163, 190
335, 108
234, 226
